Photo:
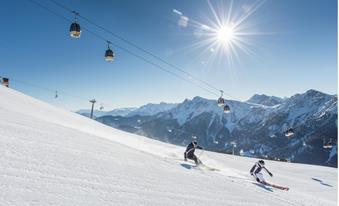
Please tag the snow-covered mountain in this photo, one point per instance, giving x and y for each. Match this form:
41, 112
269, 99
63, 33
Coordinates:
265, 100
49, 156
152, 109
145, 110
115, 112
256, 126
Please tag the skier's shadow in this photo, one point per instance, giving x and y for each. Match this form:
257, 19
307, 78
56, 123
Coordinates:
263, 186
321, 182
187, 166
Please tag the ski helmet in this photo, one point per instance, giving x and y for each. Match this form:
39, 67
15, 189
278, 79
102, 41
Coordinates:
261, 162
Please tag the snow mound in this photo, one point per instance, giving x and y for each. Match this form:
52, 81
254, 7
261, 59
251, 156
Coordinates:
49, 156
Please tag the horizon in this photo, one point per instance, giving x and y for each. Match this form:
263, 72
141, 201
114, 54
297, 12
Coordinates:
157, 103
275, 48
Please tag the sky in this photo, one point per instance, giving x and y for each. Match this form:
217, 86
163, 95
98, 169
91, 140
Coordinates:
275, 47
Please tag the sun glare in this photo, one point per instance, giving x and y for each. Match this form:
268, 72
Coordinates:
228, 34
225, 35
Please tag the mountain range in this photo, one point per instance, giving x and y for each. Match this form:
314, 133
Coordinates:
254, 128
145, 110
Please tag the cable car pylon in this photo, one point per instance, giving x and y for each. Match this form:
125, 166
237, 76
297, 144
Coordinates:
93, 101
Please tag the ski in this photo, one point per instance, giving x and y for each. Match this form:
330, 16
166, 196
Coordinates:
278, 186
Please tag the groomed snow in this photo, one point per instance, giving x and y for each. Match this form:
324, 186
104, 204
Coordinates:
49, 156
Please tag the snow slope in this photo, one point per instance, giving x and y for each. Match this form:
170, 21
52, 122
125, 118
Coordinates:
49, 156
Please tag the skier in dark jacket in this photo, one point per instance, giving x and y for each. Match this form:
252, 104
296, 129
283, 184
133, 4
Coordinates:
189, 153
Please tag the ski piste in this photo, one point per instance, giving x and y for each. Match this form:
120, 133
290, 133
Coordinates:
207, 167
202, 165
192, 164
243, 179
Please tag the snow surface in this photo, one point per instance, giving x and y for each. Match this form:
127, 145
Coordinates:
49, 156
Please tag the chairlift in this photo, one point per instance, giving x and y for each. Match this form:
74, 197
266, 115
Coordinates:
289, 132
109, 54
75, 30
56, 94
101, 107
328, 145
221, 100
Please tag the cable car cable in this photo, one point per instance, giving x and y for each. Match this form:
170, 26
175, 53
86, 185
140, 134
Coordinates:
126, 50
140, 48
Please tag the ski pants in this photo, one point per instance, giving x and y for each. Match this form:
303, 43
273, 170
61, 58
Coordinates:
259, 177
193, 157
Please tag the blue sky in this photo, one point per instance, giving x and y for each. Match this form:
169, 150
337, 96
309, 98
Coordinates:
294, 49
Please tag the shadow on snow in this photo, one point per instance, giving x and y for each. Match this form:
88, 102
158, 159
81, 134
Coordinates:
321, 182
263, 186
187, 166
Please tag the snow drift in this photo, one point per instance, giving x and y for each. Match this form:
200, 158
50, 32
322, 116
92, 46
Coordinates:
49, 156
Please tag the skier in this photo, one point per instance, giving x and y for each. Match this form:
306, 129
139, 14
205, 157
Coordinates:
259, 177
256, 171
189, 153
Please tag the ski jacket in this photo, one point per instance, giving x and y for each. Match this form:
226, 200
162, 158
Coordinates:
257, 169
190, 149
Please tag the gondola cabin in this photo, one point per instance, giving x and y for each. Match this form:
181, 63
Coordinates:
5, 82
109, 55
289, 132
227, 109
75, 30
221, 102
328, 145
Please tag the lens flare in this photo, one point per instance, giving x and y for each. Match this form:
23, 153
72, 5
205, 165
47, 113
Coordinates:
225, 35
228, 34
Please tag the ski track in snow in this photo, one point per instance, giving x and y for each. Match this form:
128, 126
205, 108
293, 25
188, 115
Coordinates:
49, 156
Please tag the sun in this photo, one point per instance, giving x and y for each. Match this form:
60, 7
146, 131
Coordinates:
228, 34
225, 34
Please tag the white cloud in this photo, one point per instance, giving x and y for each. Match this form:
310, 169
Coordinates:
177, 12
183, 21
205, 27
